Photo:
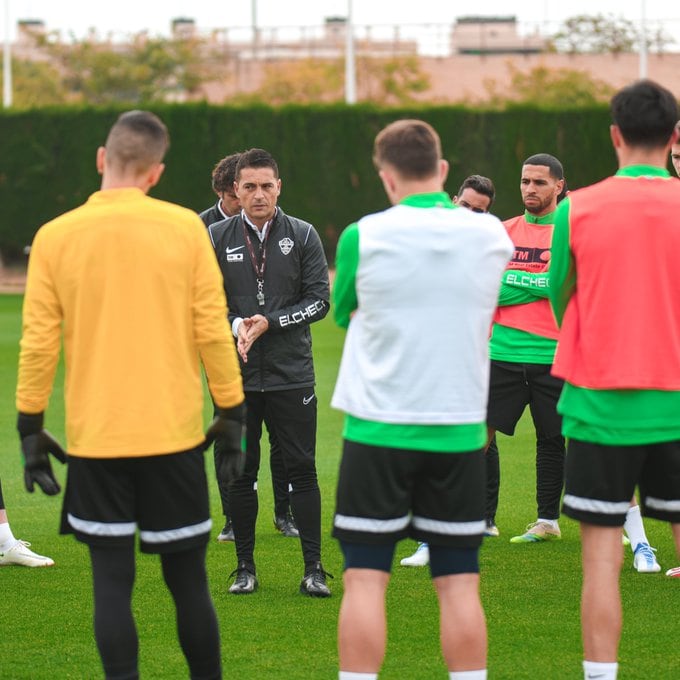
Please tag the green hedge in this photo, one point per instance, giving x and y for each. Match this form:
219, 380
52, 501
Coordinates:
47, 156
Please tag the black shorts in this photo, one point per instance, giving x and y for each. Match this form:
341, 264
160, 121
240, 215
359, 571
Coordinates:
165, 497
513, 386
601, 480
387, 494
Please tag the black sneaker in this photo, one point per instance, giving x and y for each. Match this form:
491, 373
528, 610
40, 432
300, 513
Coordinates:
227, 534
286, 525
314, 582
245, 581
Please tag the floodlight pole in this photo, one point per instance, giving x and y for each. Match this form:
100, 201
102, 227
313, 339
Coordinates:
7, 64
350, 67
256, 30
643, 39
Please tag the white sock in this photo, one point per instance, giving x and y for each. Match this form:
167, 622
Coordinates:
601, 671
7, 539
552, 522
468, 675
348, 675
634, 528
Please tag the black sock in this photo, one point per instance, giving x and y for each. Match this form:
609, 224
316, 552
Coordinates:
113, 574
197, 626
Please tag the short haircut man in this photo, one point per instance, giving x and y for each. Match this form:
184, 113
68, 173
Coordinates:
136, 142
477, 193
256, 158
548, 160
413, 149
228, 205
276, 278
137, 323
408, 405
523, 341
224, 173
675, 152
618, 353
223, 177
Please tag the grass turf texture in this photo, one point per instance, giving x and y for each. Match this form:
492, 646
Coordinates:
530, 592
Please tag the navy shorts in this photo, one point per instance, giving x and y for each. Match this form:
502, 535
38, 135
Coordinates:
386, 494
513, 387
165, 498
601, 480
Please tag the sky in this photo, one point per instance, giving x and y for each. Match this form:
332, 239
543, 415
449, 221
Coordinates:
134, 16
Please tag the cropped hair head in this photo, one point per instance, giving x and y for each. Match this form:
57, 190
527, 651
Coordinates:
256, 158
224, 173
645, 113
411, 147
137, 141
553, 165
480, 184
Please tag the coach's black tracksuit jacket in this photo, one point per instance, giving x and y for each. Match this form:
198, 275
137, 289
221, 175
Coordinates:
212, 214
296, 293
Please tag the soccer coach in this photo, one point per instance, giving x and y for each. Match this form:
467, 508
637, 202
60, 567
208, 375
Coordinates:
132, 285
276, 277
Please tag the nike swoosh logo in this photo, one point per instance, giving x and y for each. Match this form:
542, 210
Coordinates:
233, 250
306, 400
594, 677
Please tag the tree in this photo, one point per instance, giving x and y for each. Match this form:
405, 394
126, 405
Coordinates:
36, 83
658, 40
605, 34
145, 69
392, 81
383, 81
550, 87
304, 82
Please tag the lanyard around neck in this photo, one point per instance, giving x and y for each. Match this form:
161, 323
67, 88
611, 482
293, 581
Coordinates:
260, 263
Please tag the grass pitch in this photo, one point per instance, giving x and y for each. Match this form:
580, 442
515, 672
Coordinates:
531, 592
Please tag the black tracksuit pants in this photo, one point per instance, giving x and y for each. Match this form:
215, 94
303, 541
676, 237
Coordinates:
290, 416
279, 478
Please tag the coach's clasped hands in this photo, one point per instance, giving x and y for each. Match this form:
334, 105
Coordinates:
36, 445
229, 426
249, 330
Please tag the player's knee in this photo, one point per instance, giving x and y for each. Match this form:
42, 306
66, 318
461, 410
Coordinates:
243, 486
303, 479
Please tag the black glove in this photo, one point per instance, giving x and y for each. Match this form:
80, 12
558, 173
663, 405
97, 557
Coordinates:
36, 445
229, 426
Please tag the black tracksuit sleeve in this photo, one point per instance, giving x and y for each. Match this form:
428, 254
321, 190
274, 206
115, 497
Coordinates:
313, 304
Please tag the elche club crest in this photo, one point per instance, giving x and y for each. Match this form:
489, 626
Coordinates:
286, 245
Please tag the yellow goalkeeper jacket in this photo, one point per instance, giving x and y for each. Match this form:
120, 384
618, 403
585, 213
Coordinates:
132, 286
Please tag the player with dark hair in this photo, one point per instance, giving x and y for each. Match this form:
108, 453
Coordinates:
276, 278
618, 353
523, 340
476, 193
131, 285
228, 205
675, 152
675, 160
414, 392
222, 179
